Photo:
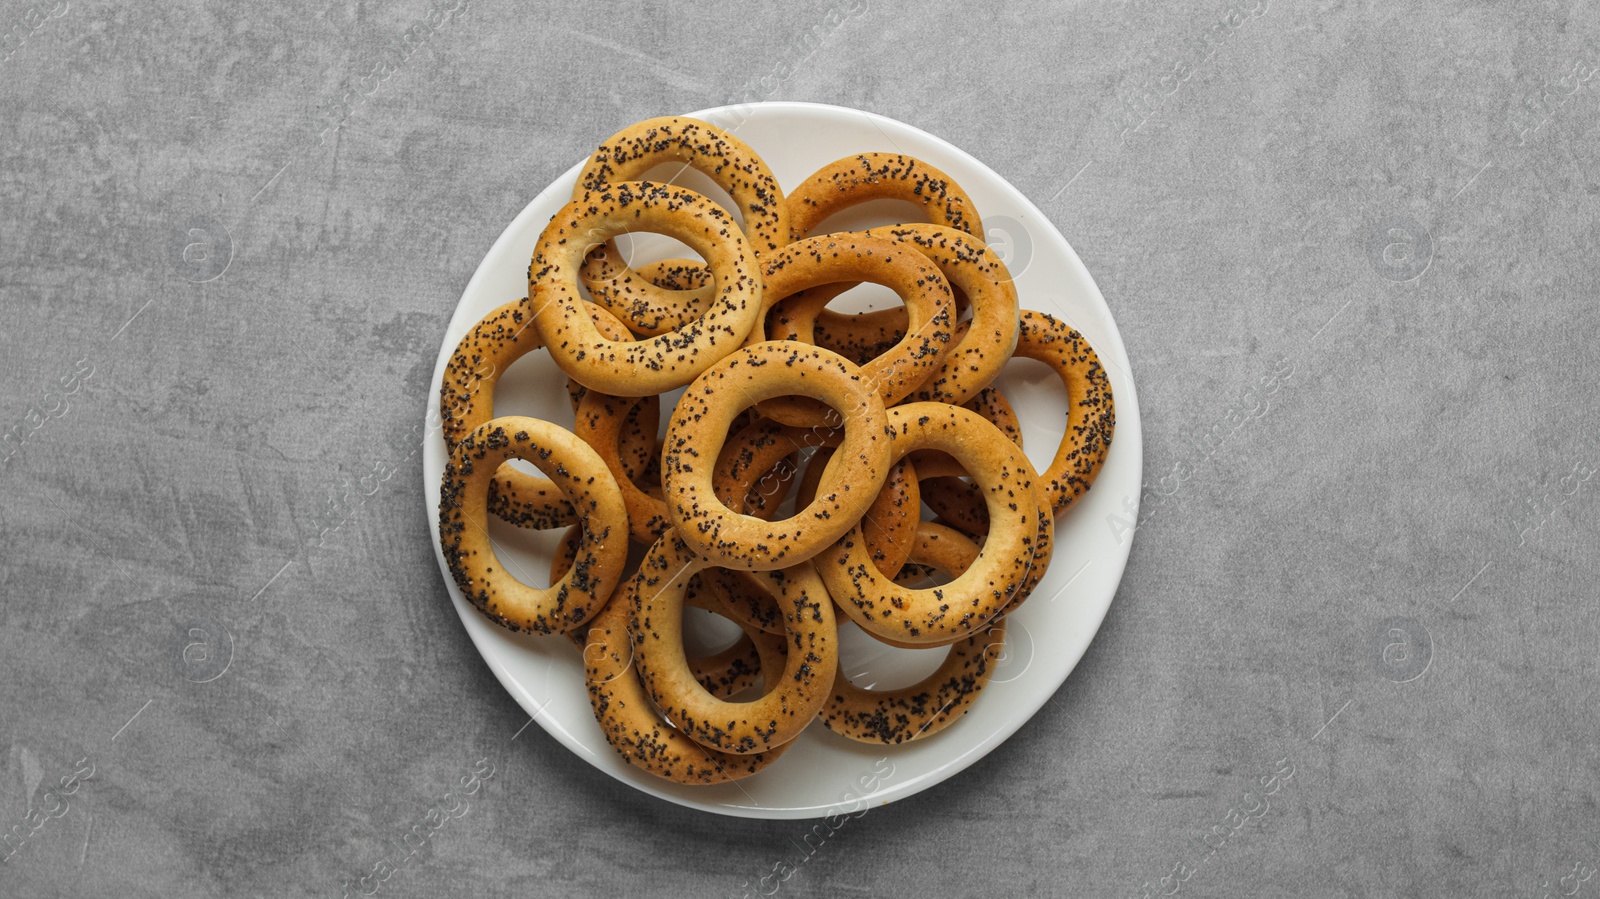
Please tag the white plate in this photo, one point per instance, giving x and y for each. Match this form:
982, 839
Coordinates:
824, 774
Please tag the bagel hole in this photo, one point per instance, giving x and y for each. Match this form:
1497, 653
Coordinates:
865, 297
781, 482
1036, 392
871, 214
774, 488
869, 297
707, 633
524, 553
640, 247
873, 665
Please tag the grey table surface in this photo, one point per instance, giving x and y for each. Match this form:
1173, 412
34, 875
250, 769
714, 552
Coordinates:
231, 236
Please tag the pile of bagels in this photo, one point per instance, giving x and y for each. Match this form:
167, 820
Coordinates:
855, 421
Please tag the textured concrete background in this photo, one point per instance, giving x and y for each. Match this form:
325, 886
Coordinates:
231, 236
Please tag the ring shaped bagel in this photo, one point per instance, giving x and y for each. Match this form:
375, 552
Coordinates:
652, 365
933, 703
896, 264
791, 701
881, 176
991, 335
636, 729
890, 523
723, 674
983, 343
939, 614
699, 427
1091, 414
581, 475
628, 155
526, 501
466, 401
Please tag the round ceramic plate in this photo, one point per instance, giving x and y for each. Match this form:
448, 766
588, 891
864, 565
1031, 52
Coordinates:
824, 774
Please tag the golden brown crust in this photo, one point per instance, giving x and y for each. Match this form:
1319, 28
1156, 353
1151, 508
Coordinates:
989, 337
751, 463
960, 503
600, 422
890, 523
702, 146
981, 345
739, 597
938, 614
996, 410
881, 176
631, 722
792, 700
466, 400
687, 291
581, 475
642, 299
724, 674
730, 671
768, 372
487, 351
656, 364
858, 336
933, 703
1091, 414
853, 258
698, 429
757, 464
